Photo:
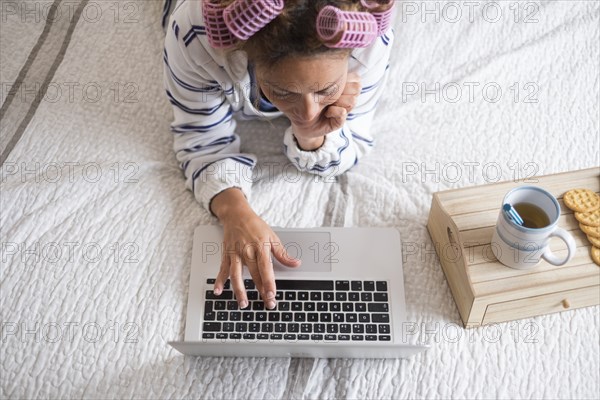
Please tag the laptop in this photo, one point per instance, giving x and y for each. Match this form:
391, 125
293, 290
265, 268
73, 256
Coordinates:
346, 299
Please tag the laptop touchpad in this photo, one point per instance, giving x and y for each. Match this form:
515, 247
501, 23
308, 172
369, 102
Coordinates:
315, 249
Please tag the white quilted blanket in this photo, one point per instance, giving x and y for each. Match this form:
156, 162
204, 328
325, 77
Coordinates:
96, 224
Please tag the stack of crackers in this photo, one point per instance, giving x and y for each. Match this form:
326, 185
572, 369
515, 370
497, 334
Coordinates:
586, 206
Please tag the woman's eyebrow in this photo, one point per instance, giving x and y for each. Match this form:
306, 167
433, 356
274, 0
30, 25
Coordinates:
285, 90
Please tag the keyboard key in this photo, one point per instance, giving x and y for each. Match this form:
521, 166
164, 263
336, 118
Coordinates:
222, 316
300, 317
358, 328
208, 336
225, 295
322, 306
222, 335
211, 327
345, 328
209, 316
290, 295
344, 337
371, 328
312, 317
331, 338
383, 328
211, 281
254, 327
319, 328
306, 328
338, 317
380, 318
262, 336
380, 297
309, 306
381, 286
241, 327
378, 307
303, 285
248, 316
351, 317
261, 316
364, 318
249, 336
235, 316
325, 317
356, 285
371, 338
258, 305
357, 337
332, 328
366, 297
252, 295
235, 336
303, 296
342, 285
316, 296
293, 327
249, 284
267, 327
274, 316
232, 305
296, 306
349, 307
335, 307
283, 306
228, 326
276, 336
219, 305
248, 307
360, 307
341, 296
385, 338
369, 286
316, 337
328, 296
280, 327
303, 337
279, 295
354, 296
287, 316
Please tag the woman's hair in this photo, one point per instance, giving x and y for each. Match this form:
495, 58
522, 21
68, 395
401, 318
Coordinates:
293, 33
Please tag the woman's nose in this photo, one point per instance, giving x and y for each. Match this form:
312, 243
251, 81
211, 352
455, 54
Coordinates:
309, 109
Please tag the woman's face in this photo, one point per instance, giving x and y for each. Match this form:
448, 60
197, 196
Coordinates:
302, 88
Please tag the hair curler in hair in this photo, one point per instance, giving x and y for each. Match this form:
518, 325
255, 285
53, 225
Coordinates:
219, 35
382, 11
346, 29
246, 17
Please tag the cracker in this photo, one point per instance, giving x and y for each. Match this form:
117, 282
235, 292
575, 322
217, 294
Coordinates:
581, 200
594, 241
595, 252
593, 231
589, 218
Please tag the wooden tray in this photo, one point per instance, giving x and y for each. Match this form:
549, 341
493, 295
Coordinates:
461, 224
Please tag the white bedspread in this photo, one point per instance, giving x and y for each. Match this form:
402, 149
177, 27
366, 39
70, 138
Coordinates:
96, 224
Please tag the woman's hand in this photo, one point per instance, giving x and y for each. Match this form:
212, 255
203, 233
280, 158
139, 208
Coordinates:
249, 241
333, 117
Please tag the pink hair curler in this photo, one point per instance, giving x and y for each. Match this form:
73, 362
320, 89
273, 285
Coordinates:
246, 17
219, 35
382, 11
346, 29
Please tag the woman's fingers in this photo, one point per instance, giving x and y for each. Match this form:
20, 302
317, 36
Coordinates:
237, 282
282, 255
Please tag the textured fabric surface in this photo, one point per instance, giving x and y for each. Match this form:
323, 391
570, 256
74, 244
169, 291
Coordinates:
96, 224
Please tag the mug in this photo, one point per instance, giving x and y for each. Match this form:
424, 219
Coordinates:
522, 247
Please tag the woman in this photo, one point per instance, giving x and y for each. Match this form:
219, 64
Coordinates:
320, 63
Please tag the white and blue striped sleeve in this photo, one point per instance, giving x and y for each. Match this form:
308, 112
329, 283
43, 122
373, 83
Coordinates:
205, 143
343, 148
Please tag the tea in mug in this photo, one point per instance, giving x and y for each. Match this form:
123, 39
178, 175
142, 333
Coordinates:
532, 215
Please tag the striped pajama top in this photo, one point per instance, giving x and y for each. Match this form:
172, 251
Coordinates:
208, 86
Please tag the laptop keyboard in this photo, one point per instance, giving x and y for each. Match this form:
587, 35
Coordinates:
306, 310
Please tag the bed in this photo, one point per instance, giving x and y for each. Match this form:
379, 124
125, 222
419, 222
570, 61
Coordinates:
96, 222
